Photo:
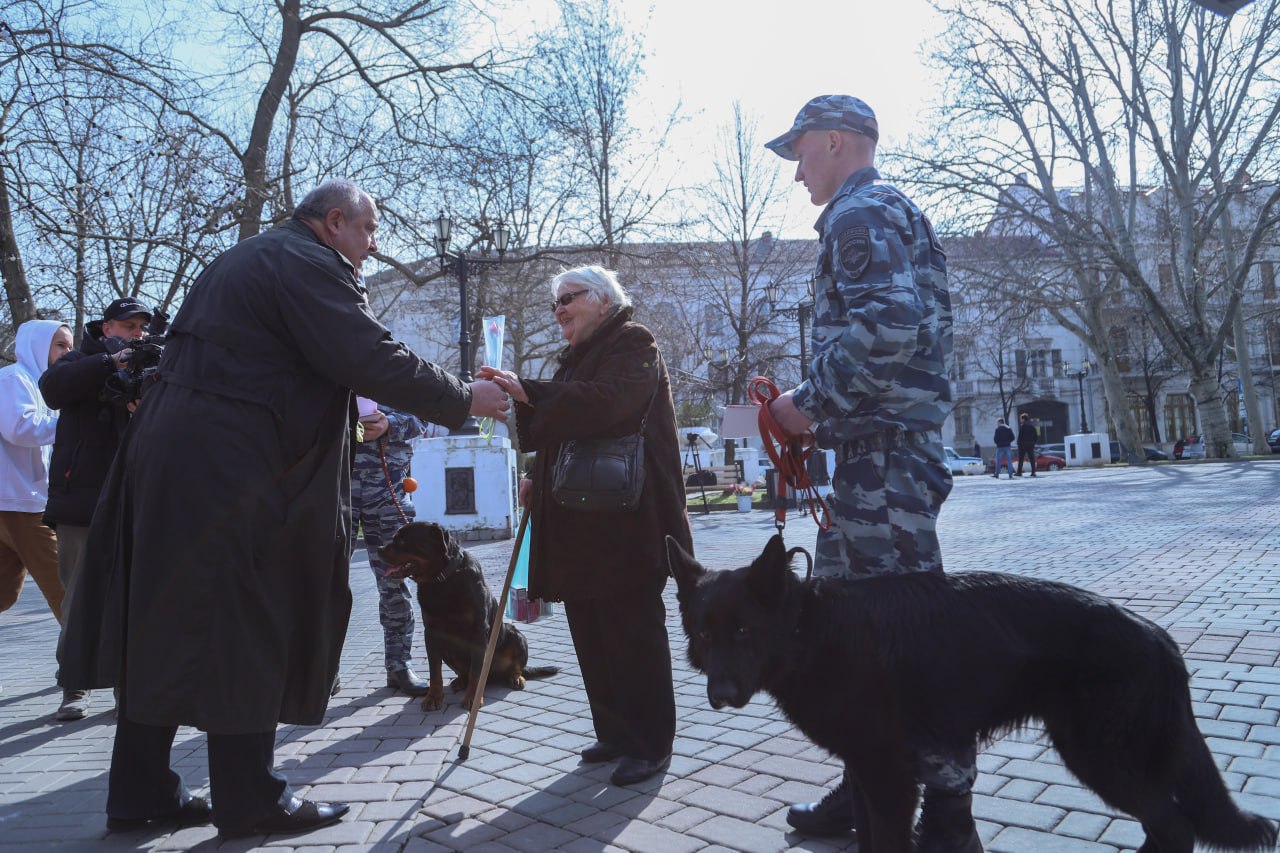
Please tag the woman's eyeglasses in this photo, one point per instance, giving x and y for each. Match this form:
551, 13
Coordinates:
564, 299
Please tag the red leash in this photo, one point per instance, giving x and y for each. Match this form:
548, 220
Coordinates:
386, 473
788, 456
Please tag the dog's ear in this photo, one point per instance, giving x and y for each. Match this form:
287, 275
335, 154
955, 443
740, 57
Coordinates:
683, 566
448, 546
768, 573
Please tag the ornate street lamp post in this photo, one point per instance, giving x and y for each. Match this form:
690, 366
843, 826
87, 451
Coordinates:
1080, 375
459, 263
802, 312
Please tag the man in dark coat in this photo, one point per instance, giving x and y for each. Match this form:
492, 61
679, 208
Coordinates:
220, 546
1027, 437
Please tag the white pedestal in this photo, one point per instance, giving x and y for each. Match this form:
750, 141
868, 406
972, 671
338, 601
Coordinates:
1088, 450
467, 485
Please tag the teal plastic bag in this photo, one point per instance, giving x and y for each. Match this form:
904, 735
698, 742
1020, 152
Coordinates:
519, 607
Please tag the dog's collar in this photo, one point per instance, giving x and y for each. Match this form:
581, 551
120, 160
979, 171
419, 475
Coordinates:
449, 568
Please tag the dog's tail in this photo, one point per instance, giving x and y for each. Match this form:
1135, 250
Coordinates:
1215, 817
539, 671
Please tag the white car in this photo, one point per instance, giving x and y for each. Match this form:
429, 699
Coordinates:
962, 464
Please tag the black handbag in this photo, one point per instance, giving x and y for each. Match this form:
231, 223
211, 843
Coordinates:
602, 474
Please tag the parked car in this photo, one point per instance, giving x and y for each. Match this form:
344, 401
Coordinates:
1192, 447
1274, 441
1151, 453
962, 464
1044, 462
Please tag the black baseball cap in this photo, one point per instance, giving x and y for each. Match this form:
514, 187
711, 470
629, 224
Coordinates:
123, 309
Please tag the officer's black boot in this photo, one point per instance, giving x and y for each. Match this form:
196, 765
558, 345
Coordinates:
946, 824
833, 815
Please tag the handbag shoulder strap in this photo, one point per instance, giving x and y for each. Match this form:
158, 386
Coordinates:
656, 385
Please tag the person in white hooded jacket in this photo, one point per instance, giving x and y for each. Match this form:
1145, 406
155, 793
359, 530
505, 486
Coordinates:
27, 427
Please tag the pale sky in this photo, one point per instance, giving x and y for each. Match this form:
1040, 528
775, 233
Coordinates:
772, 57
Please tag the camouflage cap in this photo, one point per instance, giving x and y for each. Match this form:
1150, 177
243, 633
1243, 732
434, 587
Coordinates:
827, 112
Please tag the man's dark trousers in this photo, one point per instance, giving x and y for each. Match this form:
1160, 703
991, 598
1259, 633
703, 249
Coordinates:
244, 786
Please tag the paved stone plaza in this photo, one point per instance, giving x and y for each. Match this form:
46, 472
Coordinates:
1196, 547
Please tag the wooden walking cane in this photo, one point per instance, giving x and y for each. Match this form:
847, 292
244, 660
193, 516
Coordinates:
465, 749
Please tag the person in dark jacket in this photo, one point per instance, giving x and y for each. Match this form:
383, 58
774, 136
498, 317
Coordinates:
1004, 448
609, 568
89, 429
218, 596
1027, 435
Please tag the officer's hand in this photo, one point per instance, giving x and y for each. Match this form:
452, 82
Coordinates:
526, 486
121, 357
375, 426
488, 400
792, 420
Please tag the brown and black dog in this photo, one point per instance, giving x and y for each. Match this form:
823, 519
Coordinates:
457, 613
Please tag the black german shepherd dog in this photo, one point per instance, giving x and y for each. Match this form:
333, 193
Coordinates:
880, 669
457, 614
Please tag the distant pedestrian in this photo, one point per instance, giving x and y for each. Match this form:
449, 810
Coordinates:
1004, 448
1027, 435
977, 450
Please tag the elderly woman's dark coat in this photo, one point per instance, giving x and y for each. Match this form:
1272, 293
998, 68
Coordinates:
214, 588
601, 390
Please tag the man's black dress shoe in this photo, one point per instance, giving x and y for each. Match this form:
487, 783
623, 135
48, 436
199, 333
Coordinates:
600, 751
406, 681
832, 815
631, 770
193, 812
293, 815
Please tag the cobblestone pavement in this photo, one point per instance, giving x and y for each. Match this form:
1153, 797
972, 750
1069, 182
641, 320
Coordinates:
1195, 547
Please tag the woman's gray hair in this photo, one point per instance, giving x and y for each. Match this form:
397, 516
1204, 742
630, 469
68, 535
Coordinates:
340, 193
602, 284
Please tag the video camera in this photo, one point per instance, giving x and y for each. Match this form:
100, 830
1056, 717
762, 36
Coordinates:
141, 365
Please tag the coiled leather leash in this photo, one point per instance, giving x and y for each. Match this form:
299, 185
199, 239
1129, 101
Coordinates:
788, 456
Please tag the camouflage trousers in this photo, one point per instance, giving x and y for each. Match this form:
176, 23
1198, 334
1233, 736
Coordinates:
886, 493
379, 519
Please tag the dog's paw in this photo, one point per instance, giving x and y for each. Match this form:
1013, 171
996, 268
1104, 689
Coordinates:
470, 698
434, 700
517, 683
458, 684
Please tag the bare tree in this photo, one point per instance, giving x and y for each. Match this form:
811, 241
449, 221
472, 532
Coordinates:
1075, 122
592, 67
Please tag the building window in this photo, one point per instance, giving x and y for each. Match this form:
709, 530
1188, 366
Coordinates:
1138, 410
1268, 272
1120, 348
964, 421
1179, 416
1038, 363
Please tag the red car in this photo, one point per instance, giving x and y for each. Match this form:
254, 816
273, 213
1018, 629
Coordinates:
1044, 462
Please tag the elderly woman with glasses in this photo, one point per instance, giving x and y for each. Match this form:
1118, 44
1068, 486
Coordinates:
609, 568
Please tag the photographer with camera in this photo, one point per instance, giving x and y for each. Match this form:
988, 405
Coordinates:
91, 422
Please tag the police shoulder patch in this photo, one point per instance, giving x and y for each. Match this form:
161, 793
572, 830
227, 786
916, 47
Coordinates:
853, 248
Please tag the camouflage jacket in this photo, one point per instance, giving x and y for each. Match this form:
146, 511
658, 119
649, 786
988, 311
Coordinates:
368, 476
882, 317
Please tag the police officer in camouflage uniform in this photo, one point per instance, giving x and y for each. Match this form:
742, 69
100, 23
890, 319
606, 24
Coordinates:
877, 392
377, 503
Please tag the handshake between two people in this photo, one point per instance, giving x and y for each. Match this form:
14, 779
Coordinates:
491, 398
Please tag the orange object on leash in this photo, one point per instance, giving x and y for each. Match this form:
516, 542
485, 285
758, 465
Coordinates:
788, 456
410, 485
